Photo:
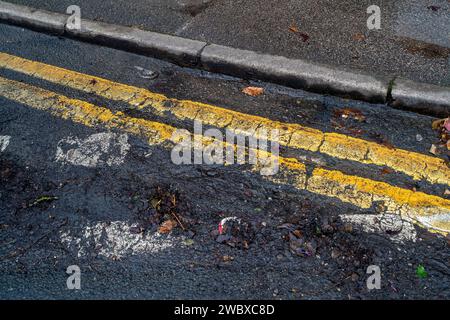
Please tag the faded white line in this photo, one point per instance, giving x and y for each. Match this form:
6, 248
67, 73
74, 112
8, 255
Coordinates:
391, 226
114, 240
99, 149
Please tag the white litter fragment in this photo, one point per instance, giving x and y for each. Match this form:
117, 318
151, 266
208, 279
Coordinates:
99, 149
4, 142
114, 240
390, 225
419, 137
146, 74
225, 220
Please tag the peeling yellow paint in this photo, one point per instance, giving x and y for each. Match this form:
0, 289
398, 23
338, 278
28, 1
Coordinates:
361, 192
416, 165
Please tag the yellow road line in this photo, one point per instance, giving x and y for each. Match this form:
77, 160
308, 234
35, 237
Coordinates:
431, 211
416, 165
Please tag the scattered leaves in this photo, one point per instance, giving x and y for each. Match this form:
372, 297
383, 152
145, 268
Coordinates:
437, 124
294, 28
253, 91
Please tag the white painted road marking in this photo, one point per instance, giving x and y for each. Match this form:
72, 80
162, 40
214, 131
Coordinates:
115, 240
96, 150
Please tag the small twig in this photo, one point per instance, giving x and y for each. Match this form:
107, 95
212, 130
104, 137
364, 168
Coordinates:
178, 220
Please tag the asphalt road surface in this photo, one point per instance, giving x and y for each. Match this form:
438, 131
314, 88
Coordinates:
87, 179
413, 41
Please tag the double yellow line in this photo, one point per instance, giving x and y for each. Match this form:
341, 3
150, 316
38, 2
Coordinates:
428, 210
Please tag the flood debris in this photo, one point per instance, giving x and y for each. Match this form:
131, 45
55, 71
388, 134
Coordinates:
167, 210
167, 226
311, 232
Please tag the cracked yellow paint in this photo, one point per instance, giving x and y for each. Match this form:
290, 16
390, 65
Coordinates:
430, 211
416, 165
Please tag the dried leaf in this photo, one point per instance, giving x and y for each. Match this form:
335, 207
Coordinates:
293, 28
447, 124
253, 91
167, 226
359, 37
297, 233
